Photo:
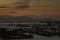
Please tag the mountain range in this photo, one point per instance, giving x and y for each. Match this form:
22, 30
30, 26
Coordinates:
6, 18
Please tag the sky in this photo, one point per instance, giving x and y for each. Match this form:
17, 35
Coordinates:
34, 7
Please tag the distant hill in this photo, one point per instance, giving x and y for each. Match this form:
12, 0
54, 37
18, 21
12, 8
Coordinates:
7, 18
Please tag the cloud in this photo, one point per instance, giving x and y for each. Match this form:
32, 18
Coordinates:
21, 4
7, 1
3, 7
8, 13
12, 12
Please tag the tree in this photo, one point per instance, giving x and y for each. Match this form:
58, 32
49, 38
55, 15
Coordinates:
3, 33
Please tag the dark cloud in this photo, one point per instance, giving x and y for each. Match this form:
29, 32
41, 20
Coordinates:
12, 12
22, 6
19, 5
3, 7
7, 13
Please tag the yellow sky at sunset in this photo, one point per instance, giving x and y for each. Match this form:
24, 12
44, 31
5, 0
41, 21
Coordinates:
45, 7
